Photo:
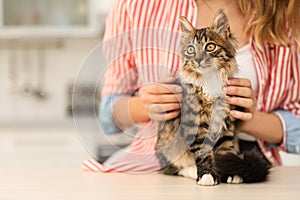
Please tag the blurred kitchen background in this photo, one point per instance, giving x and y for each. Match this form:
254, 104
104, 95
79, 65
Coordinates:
42, 45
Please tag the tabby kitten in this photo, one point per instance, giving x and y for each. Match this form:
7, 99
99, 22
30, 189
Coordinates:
200, 143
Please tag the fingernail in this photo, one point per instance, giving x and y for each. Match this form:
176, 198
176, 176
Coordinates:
178, 89
228, 99
232, 112
226, 89
179, 98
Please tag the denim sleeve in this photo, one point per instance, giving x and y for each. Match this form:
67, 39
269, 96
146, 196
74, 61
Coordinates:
106, 119
291, 126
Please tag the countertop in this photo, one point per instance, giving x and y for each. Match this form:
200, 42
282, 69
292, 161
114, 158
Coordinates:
44, 164
72, 183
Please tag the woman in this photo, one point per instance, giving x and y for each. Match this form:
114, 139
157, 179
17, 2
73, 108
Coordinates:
138, 90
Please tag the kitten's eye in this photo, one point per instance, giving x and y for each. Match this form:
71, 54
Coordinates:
209, 47
190, 50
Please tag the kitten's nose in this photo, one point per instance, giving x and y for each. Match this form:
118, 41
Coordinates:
202, 57
199, 59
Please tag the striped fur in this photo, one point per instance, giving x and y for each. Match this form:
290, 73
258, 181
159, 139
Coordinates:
203, 135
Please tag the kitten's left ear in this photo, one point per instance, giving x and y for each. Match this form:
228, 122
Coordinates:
221, 25
186, 26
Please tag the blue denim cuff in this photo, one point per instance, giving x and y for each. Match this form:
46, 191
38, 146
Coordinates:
106, 119
292, 130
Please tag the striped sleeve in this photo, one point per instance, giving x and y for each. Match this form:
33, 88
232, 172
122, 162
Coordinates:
293, 99
120, 75
279, 81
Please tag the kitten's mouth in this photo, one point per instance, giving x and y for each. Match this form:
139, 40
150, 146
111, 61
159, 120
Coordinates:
204, 68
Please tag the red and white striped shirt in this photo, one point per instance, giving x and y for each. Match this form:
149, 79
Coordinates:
142, 44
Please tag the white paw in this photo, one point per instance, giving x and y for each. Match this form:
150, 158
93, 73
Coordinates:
207, 180
189, 172
234, 180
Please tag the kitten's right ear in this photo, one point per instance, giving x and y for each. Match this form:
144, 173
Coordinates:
221, 25
186, 26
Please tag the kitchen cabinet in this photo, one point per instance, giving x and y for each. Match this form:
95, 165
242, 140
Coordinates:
50, 18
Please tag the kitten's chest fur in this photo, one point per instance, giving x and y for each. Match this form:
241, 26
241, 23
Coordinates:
206, 96
210, 83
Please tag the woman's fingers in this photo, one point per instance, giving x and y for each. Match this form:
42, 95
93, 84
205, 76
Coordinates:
246, 103
162, 99
242, 102
239, 87
167, 79
238, 91
164, 116
162, 89
163, 108
243, 82
161, 93
161, 112
245, 116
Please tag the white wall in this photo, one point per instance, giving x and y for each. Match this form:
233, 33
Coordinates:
102, 6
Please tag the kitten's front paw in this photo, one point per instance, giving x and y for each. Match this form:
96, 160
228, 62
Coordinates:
235, 179
207, 180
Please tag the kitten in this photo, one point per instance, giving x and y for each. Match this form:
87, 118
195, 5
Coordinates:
200, 143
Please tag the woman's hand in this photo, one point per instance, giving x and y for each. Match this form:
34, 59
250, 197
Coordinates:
241, 94
265, 126
162, 100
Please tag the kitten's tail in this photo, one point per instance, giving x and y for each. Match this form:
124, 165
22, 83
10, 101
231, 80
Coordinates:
251, 166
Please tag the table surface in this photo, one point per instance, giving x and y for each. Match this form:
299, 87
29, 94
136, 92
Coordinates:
75, 184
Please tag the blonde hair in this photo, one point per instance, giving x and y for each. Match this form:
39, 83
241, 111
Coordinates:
274, 21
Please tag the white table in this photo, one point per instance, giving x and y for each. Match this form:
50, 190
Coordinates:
73, 184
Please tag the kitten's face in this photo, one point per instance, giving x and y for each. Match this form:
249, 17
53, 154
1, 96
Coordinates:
202, 50
208, 48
